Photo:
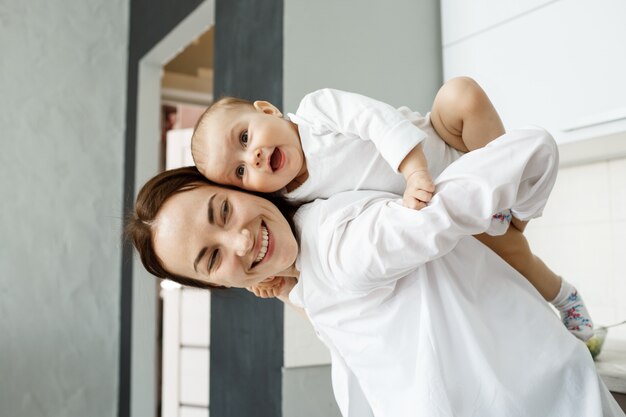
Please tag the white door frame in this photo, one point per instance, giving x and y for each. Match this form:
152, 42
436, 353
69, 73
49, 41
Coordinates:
145, 288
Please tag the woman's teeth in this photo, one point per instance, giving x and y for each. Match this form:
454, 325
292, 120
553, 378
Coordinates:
264, 244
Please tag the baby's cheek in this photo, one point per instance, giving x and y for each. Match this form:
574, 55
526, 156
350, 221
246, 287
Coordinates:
267, 183
251, 183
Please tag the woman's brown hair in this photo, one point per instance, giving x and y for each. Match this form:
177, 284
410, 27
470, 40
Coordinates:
149, 201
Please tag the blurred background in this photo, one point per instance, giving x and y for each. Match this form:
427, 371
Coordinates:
97, 96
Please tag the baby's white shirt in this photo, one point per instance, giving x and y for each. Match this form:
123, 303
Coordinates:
352, 142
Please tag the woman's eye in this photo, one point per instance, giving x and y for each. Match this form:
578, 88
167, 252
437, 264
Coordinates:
240, 171
225, 211
212, 260
244, 138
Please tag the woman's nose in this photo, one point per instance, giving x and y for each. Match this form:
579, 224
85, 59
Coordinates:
242, 242
254, 158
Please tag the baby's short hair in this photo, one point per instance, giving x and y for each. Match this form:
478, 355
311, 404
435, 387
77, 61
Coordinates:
225, 102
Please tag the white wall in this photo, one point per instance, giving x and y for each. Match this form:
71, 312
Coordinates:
62, 113
388, 50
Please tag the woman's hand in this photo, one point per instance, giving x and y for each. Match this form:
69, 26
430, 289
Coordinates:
278, 287
269, 288
274, 287
285, 289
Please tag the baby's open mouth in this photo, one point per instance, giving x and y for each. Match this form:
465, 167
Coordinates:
276, 159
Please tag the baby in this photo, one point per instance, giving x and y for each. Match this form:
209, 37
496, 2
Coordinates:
339, 141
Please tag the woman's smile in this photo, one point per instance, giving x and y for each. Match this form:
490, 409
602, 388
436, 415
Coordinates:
261, 245
265, 241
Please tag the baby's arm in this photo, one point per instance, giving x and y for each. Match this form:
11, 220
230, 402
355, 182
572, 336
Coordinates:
395, 137
364, 118
419, 183
516, 171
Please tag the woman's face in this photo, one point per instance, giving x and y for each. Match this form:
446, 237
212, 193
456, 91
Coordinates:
223, 237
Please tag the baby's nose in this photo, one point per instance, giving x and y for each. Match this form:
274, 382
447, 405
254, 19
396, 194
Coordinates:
243, 242
255, 158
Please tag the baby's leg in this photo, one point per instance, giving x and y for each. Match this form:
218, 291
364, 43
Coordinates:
463, 115
514, 249
519, 224
465, 119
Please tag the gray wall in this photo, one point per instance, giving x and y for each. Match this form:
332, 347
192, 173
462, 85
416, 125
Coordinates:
63, 90
388, 50
307, 391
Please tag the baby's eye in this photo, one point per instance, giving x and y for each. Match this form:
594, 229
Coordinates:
240, 171
244, 138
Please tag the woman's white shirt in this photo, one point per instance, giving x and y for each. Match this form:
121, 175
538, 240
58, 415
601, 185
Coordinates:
422, 320
516, 171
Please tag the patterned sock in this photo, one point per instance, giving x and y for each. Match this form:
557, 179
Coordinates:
574, 314
499, 223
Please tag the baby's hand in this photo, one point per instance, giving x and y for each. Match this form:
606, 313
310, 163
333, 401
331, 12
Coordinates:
419, 190
269, 288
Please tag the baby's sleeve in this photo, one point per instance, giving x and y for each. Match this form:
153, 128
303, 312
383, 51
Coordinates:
364, 118
377, 241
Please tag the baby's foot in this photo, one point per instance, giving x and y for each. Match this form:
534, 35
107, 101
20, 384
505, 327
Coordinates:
574, 314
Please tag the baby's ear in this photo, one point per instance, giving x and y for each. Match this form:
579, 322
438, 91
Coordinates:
267, 108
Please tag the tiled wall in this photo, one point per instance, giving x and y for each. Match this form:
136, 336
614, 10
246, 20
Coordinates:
582, 237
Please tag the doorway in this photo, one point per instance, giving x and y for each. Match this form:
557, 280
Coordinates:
168, 97
186, 91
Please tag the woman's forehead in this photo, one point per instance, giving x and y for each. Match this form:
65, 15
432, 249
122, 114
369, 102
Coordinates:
181, 209
176, 226
178, 211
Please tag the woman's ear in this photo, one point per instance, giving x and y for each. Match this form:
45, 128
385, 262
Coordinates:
267, 108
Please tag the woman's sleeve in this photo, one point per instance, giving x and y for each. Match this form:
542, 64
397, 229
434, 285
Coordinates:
378, 241
362, 117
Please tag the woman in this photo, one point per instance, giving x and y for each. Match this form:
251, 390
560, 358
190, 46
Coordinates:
413, 328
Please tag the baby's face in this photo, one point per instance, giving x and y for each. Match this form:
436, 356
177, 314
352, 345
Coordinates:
253, 148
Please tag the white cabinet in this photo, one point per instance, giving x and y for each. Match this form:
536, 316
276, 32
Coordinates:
559, 64
462, 18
